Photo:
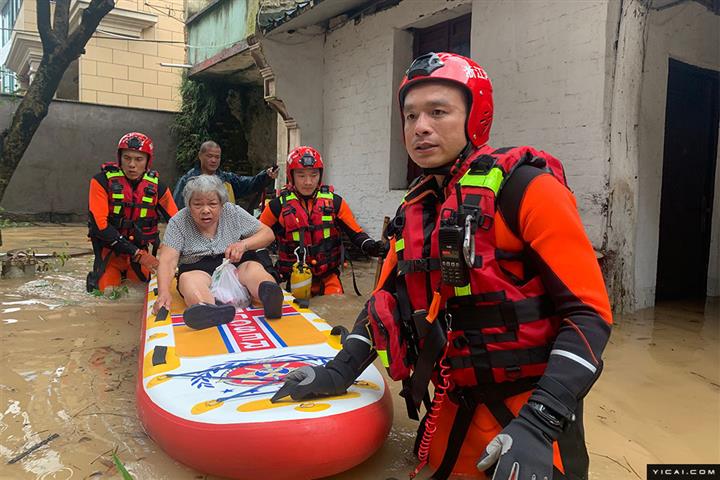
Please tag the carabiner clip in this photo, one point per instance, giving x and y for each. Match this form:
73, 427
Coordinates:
469, 242
297, 256
448, 321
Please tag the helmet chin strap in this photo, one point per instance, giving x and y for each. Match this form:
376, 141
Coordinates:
307, 197
448, 167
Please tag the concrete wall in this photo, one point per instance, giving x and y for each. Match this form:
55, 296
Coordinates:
547, 64
297, 64
691, 34
217, 28
584, 81
68, 149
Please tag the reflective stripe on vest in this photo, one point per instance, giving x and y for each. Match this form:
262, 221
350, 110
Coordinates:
492, 180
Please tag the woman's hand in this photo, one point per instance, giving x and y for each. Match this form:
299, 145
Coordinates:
235, 251
164, 300
167, 259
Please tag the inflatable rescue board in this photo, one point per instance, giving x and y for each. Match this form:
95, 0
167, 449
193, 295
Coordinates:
204, 396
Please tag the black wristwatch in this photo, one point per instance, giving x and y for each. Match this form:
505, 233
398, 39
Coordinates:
550, 416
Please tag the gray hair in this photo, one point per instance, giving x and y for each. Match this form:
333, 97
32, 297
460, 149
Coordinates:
207, 145
205, 184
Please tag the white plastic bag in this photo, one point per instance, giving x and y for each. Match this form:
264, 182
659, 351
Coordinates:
226, 288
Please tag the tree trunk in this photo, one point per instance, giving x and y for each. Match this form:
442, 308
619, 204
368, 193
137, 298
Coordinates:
32, 110
59, 51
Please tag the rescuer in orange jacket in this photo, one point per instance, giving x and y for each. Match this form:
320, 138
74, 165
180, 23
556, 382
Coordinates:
491, 290
126, 201
308, 219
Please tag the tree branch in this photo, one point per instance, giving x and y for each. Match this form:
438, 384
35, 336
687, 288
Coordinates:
91, 17
61, 19
59, 51
43, 19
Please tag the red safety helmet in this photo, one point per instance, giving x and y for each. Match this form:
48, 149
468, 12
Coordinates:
136, 141
461, 71
303, 157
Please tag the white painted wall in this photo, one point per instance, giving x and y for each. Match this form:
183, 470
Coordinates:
546, 60
553, 65
624, 111
691, 34
297, 63
364, 64
547, 64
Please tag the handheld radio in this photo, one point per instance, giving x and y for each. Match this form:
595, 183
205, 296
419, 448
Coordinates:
453, 267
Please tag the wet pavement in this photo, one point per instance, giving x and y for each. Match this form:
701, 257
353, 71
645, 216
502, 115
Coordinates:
68, 363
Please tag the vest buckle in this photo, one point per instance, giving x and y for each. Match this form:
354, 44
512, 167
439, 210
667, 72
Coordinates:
513, 373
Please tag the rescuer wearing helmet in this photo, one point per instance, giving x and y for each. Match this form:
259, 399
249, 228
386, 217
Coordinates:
126, 201
307, 218
237, 186
491, 290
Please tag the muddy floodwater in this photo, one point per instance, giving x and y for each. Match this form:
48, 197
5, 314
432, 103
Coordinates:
68, 364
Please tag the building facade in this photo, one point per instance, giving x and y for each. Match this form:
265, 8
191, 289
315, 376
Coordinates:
604, 85
123, 61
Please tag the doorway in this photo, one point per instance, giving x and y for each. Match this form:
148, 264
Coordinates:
450, 36
688, 177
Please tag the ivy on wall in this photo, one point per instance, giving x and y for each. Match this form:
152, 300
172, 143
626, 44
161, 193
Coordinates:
193, 124
233, 115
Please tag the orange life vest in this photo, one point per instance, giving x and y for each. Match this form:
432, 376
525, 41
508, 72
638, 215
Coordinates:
133, 211
499, 328
315, 232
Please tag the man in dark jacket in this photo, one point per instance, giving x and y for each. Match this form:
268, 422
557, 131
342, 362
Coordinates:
236, 185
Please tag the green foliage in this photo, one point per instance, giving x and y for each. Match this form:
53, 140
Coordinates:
115, 293
9, 223
121, 468
192, 125
62, 256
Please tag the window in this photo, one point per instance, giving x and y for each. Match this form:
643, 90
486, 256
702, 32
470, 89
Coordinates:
8, 82
9, 15
450, 36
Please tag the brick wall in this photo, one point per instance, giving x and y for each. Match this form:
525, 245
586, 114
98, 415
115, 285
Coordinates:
362, 71
547, 64
126, 73
550, 91
120, 72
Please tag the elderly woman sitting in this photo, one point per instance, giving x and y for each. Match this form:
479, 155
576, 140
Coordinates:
198, 238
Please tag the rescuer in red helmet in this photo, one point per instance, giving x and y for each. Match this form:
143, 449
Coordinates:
126, 201
308, 218
491, 290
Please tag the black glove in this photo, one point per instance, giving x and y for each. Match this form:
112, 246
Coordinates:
310, 382
374, 248
339, 373
123, 245
523, 450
